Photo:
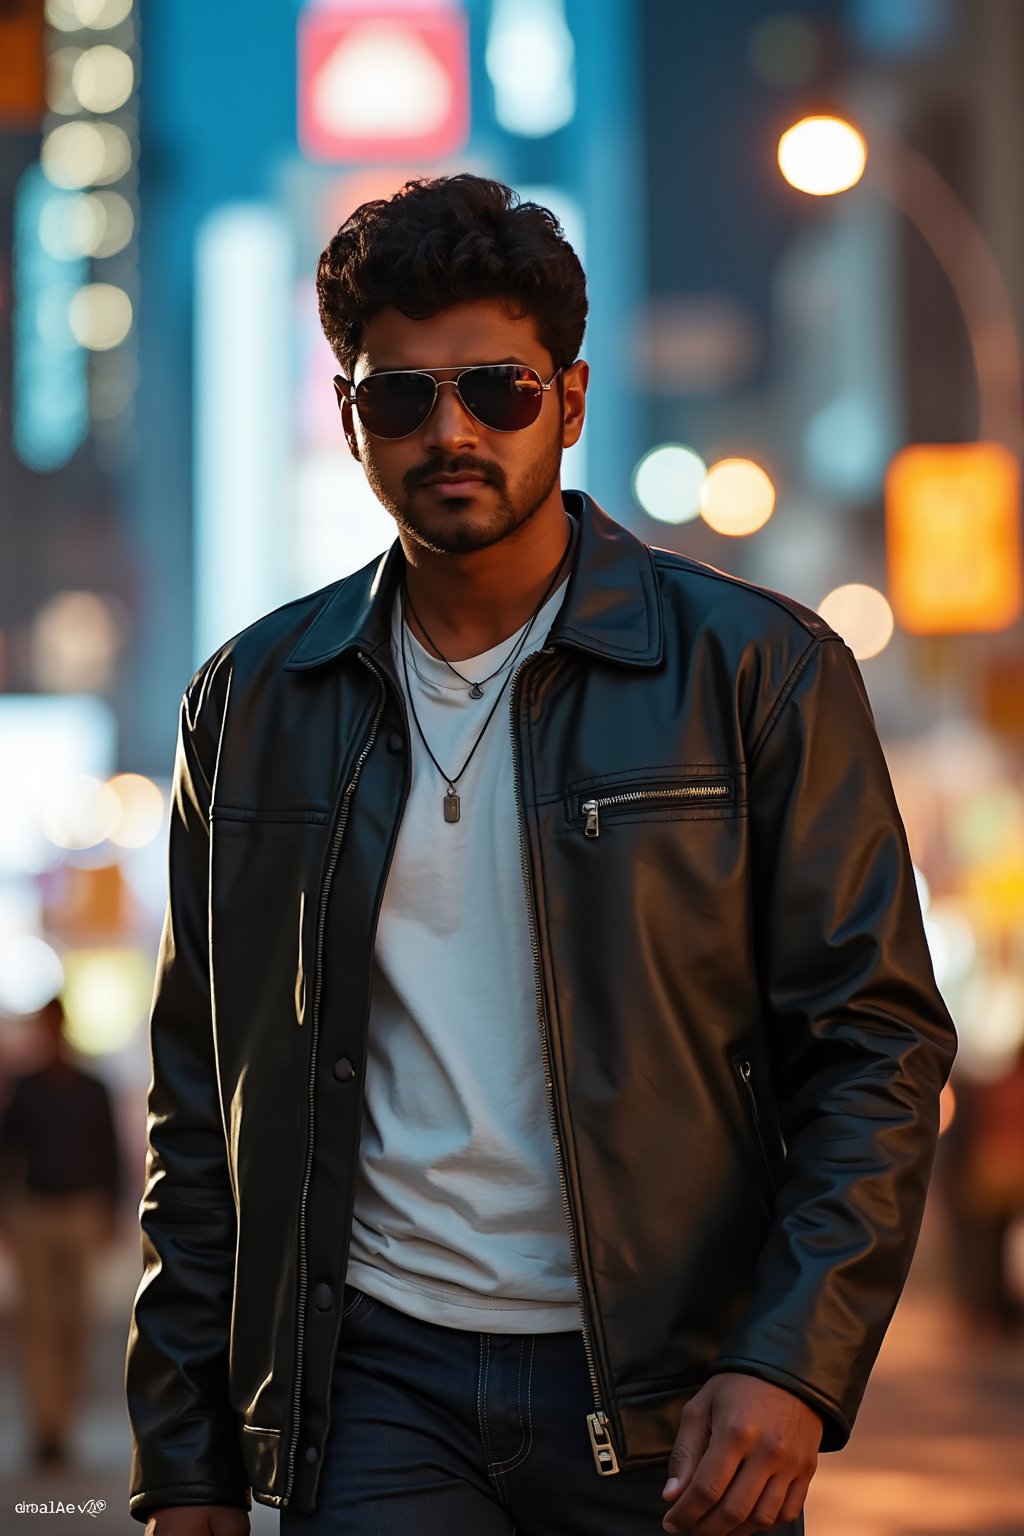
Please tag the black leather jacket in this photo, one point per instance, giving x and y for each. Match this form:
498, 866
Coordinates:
736, 1011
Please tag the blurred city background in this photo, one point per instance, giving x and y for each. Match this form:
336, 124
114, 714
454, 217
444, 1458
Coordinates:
803, 228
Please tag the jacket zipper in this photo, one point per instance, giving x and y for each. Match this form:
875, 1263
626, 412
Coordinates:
324, 891
745, 1073
605, 1459
709, 790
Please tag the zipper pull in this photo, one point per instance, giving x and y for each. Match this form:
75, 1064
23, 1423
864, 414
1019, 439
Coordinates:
605, 1458
593, 826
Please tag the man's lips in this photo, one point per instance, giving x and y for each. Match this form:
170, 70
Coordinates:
468, 478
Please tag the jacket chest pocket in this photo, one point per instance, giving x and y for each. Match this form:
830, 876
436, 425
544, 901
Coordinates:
710, 794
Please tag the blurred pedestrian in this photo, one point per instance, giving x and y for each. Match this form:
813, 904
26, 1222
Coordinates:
983, 1179
60, 1177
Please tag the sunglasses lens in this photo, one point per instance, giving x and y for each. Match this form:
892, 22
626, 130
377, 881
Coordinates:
506, 397
394, 404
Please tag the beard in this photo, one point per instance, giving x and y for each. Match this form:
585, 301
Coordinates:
445, 528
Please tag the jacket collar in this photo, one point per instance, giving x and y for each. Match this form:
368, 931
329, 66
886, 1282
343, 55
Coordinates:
611, 608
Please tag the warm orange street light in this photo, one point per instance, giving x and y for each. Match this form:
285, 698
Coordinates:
822, 155
737, 497
952, 519
827, 155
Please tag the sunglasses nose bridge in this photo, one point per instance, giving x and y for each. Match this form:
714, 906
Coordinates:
444, 423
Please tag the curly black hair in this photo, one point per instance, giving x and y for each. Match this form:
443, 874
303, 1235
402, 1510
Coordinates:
444, 240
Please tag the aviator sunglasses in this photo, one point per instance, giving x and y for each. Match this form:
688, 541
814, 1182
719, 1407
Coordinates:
506, 397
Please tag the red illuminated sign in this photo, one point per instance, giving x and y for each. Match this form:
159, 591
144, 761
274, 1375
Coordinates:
383, 82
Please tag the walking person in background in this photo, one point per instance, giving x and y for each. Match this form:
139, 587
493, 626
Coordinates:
61, 1178
546, 1050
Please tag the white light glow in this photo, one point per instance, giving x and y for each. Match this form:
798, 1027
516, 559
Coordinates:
822, 156
862, 615
241, 436
81, 813
84, 154
667, 482
100, 316
100, 15
381, 81
530, 59
103, 78
30, 973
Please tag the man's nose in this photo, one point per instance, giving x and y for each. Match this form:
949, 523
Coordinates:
450, 425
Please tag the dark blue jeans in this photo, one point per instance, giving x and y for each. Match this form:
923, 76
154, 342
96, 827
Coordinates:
446, 1432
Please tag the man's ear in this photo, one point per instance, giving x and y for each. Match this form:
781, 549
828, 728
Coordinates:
341, 392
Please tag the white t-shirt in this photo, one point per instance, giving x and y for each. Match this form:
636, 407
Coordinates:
458, 1211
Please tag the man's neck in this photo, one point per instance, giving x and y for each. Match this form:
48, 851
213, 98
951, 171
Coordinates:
472, 603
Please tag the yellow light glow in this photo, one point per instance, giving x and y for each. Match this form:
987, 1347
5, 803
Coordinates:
84, 154
142, 810
100, 316
81, 813
861, 615
103, 78
106, 997
737, 497
822, 155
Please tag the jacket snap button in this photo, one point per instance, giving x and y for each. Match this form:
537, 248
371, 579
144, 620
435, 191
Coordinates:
395, 741
323, 1297
310, 1453
343, 1069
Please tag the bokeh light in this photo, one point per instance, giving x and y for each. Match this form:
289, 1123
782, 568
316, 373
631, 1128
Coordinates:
737, 497
103, 78
822, 155
106, 997
31, 973
100, 15
84, 154
100, 316
667, 482
861, 614
81, 812
74, 641
142, 810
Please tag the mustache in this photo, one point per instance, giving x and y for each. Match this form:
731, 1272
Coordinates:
492, 473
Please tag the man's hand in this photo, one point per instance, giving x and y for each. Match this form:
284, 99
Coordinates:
198, 1520
743, 1458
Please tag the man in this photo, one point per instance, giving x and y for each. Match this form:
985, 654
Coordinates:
542, 1107
60, 1169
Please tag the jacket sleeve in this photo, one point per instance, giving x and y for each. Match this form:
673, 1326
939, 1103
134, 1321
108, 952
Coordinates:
184, 1434
859, 1038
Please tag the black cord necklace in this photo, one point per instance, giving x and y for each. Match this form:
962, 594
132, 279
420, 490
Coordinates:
452, 803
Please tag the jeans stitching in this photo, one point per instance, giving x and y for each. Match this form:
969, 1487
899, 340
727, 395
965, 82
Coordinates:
480, 1394
509, 1461
529, 1415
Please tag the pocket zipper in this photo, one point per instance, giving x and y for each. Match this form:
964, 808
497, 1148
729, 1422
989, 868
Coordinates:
745, 1073
717, 789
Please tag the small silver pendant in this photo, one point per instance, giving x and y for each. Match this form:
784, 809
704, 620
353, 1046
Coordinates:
451, 804
476, 692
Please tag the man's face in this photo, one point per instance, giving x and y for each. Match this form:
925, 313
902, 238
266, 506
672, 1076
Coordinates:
513, 473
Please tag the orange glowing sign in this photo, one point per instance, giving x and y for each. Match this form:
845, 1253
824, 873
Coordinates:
953, 538
22, 97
